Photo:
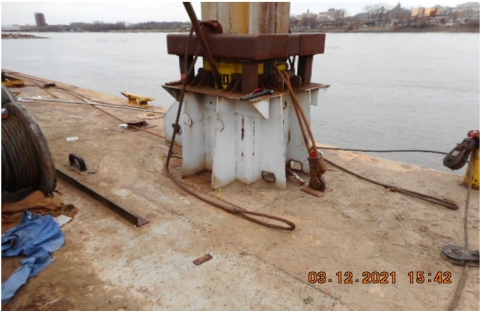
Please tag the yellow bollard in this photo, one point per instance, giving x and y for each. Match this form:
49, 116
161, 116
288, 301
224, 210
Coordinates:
471, 176
137, 100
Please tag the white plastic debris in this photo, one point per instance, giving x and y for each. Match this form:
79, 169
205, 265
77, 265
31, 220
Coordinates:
73, 138
62, 220
24, 100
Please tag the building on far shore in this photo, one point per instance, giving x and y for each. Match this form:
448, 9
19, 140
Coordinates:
398, 17
40, 20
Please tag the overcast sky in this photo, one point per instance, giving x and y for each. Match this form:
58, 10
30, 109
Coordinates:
66, 12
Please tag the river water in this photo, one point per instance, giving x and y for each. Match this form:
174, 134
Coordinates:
387, 91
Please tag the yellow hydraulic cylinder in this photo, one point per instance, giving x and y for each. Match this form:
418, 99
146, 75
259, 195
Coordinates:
471, 176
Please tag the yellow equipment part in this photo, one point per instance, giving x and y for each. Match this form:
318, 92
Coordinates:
13, 83
473, 170
137, 100
227, 69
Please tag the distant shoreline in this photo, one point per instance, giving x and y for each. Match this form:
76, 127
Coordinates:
20, 36
397, 29
388, 29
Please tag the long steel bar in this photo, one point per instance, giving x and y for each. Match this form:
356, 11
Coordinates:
85, 103
131, 217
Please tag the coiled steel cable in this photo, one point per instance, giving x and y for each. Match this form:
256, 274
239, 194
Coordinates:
19, 162
447, 203
385, 151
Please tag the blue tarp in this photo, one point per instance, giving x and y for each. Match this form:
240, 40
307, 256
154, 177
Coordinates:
36, 237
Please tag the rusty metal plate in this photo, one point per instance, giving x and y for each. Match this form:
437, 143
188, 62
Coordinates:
202, 259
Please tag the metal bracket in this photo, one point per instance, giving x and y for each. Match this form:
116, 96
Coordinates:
295, 165
77, 161
177, 129
460, 256
457, 158
268, 177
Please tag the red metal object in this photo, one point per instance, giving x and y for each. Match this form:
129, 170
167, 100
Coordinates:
251, 47
214, 26
474, 134
202, 259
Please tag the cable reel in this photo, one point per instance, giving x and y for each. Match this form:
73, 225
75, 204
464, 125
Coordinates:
26, 158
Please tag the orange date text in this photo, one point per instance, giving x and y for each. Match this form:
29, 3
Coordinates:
348, 277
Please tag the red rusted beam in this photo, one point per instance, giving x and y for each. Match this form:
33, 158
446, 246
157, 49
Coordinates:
251, 47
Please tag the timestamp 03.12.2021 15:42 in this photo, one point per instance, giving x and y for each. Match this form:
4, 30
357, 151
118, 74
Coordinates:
379, 277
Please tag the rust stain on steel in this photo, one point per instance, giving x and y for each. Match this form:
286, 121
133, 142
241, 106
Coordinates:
271, 17
202, 259
249, 17
239, 13
131, 217
282, 24
262, 15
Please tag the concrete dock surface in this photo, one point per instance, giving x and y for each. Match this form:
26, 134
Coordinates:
353, 231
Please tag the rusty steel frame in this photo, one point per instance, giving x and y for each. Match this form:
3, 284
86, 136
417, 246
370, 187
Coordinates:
138, 221
249, 50
250, 47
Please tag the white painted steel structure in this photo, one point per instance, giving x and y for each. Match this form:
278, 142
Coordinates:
237, 140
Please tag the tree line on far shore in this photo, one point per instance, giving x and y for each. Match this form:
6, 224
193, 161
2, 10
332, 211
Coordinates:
118, 26
101, 26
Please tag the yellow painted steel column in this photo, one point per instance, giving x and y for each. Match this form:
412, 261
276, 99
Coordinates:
252, 18
471, 176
